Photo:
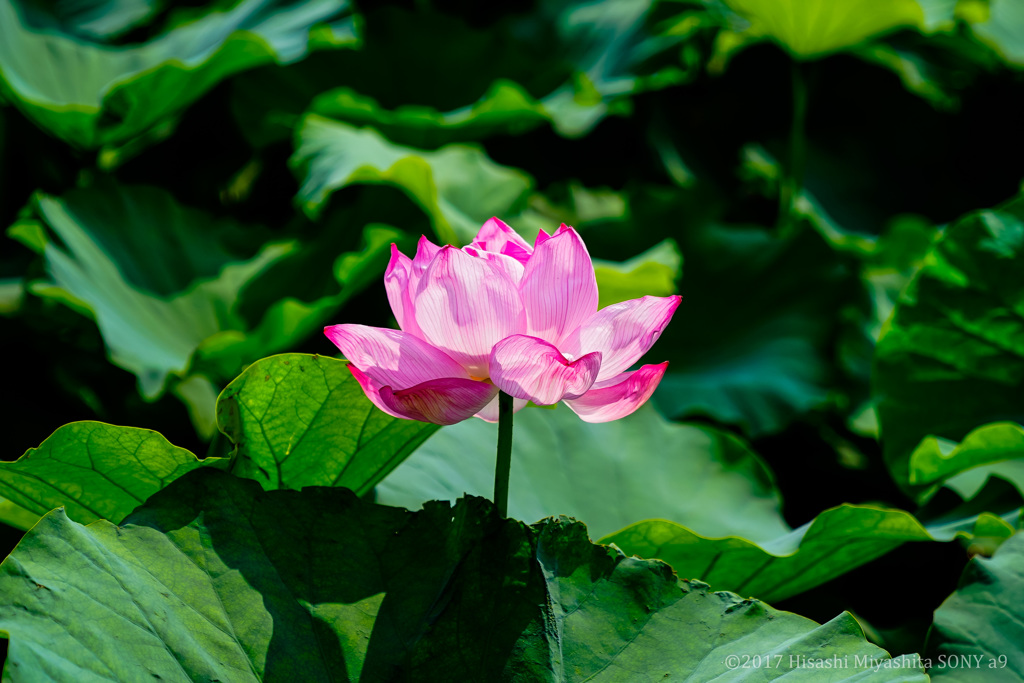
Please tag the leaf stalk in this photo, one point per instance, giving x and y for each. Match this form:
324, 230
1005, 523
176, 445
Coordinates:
503, 467
793, 174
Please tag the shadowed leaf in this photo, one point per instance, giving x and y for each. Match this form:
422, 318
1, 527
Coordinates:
91, 94
458, 186
835, 542
215, 579
952, 356
979, 629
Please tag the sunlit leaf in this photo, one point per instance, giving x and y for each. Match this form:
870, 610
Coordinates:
96, 471
16, 516
299, 420
936, 461
606, 475
214, 579
811, 28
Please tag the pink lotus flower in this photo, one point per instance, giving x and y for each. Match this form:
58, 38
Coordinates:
500, 314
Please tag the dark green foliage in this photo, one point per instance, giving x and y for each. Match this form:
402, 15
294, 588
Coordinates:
188, 189
215, 579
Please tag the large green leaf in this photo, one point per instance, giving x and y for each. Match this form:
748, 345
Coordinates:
16, 516
992, 449
753, 342
835, 542
607, 475
458, 186
652, 273
95, 470
169, 299
300, 420
311, 425
90, 19
156, 293
812, 28
979, 630
92, 94
215, 580
998, 24
952, 358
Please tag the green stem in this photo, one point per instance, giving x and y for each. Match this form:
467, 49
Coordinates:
504, 465
793, 173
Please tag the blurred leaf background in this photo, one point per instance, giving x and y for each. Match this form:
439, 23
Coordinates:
191, 187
